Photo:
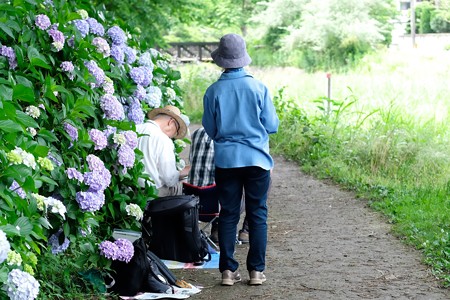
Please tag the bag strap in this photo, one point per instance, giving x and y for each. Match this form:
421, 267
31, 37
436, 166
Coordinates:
162, 268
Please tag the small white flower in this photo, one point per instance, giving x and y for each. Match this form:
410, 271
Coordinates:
33, 111
135, 211
32, 131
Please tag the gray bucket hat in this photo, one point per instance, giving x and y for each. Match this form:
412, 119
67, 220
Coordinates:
232, 52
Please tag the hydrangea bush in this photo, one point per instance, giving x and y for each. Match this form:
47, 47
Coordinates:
72, 88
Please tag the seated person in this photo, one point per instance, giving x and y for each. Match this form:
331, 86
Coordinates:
155, 142
201, 174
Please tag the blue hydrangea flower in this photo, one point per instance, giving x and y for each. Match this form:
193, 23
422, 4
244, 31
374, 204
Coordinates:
73, 173
141, 75
53, 242
21, 285
112, 108
130, 54
90, 201
109, 250
126, 250
71, 130
154, 96
146, 60
126, 156
117, 35
9, 53
95, 71
15, 187
117, 53
135, 113
42, 21
98, 138
82, 26
132, 139
95, 27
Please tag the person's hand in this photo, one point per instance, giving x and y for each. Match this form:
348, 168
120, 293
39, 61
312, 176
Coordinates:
185, 172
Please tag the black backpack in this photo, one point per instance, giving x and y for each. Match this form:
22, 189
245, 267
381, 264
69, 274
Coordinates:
170, 225
144, 273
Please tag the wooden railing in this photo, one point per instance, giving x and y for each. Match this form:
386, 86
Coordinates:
191, 51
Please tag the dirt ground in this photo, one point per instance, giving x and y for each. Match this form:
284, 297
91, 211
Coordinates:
324, 244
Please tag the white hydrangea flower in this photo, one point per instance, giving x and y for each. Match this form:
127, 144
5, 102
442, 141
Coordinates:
40, 201
135, 211
4, 246
170, 93
32, 131
180, 143
28, 159
119, 138
21, 285
83, 14
56, 206
13, 258
33, 111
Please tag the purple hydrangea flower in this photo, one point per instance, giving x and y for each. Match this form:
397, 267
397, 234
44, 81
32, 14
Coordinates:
97, 180
112, 108
21, 285
141, 75
135, 113
91, 200
140, 92
9, 53
71, 41
57, 35
95, 71
67, 66
99, 139
42, 21
109, 130
95, 27
72, 131
117, 35
117, 53
126, 250
102, 46
53, 241
15, 187
108, 86
54, 159
95, 163
126, 156
132, 139
109, 250
130, 54
73, 173
82, 26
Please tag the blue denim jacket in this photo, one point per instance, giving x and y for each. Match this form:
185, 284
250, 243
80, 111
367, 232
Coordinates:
239, 115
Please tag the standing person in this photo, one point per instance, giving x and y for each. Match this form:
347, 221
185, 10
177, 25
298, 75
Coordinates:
156, 144
239, 115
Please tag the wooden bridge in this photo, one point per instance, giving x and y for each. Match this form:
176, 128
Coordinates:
191, 51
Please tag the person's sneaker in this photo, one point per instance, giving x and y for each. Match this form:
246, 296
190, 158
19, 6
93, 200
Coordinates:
256, 278
243, 236
229, 278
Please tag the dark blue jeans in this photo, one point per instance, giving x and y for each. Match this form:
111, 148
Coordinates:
231, 183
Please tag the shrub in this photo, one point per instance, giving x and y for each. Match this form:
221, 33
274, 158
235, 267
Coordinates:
72, 88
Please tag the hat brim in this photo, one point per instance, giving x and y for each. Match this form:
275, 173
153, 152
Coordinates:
230, 63
183, 128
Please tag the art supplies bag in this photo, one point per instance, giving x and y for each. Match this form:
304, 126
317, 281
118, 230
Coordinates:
171, 227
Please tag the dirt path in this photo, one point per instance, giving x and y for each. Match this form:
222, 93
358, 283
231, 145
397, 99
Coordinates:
324, 244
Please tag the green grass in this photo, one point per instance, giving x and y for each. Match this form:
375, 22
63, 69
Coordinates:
386, 137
